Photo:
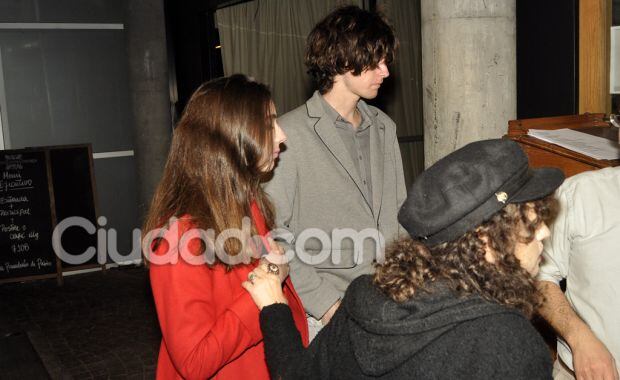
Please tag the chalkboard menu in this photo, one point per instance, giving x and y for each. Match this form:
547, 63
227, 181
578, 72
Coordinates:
26, 215
40, 187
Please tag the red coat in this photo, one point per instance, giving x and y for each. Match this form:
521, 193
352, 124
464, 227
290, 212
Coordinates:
209, 323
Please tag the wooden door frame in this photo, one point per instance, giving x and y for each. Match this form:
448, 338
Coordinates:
594, 55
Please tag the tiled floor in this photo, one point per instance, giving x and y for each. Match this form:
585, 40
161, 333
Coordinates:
96, 326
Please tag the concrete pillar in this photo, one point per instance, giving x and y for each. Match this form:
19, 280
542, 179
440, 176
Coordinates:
468, 72
148, 83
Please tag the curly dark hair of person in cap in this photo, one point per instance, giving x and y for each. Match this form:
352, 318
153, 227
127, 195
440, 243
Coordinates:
348, 39
410, 266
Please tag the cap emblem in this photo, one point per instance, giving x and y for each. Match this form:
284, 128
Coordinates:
501, 197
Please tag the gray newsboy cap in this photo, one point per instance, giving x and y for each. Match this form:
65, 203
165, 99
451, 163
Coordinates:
468, 186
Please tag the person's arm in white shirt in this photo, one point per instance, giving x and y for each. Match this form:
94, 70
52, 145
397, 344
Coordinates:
591, 359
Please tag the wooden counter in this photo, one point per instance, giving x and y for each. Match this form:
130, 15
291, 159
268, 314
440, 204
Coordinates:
541, 153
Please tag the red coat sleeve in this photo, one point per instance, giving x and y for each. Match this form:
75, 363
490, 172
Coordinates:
198, 341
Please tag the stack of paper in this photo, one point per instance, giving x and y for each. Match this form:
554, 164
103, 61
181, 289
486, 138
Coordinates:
593, 146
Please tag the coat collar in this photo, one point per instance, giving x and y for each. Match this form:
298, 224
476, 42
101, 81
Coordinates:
315, 109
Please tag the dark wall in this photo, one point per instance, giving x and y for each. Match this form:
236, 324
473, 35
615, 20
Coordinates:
547, 58
192, 40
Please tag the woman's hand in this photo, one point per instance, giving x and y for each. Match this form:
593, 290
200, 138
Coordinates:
265, 288
275, 256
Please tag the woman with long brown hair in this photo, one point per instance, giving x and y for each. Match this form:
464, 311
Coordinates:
451, 301
207, 229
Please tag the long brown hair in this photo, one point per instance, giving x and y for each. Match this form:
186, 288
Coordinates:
410, 266
217, 157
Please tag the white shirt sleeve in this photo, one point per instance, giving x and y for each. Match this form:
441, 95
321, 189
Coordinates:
557, 247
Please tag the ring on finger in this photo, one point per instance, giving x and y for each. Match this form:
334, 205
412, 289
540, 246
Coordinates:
251, 276
273, 268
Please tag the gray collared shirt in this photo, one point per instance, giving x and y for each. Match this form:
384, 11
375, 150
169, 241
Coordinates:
357, 142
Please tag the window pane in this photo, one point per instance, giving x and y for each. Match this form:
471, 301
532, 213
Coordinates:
66, 87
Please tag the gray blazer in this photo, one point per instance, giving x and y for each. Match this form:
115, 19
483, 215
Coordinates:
316, 187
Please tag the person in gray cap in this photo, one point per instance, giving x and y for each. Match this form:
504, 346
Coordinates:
452, 301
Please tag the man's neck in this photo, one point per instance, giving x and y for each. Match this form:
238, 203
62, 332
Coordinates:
345, 103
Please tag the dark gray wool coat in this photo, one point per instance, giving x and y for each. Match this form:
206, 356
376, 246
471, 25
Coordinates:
432, 336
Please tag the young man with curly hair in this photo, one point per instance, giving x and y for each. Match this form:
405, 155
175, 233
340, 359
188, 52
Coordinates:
342, 167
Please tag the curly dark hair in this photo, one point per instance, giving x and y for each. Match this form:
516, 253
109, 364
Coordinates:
410, 266
348, 39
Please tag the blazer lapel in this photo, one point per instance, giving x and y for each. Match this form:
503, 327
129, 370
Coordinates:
326, 131
377, 162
